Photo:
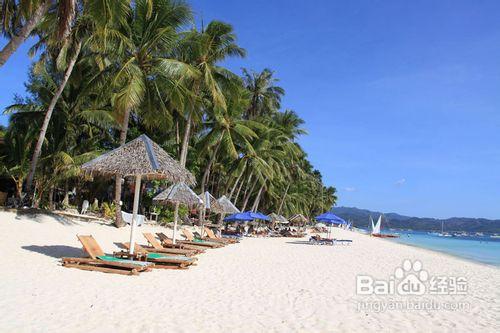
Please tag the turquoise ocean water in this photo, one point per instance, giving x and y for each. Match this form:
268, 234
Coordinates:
484, 249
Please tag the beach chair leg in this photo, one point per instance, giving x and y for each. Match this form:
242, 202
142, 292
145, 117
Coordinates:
102, 269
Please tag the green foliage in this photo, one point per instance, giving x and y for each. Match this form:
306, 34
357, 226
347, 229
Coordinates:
166, 214
136, 59
108, 210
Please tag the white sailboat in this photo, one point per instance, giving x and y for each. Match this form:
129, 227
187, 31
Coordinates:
376, 227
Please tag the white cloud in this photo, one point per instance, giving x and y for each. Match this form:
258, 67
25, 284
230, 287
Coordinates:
401, 181
350, 189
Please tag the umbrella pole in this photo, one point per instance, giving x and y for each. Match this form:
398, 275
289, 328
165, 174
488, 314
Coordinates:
137, 193
176, 217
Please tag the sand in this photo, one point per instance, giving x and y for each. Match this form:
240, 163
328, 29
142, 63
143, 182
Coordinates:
261, 284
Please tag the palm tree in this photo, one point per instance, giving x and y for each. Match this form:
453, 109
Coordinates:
69, 48
146, 76
227, 131
266, 96
78, 118
204, 50
18, 139
19, 19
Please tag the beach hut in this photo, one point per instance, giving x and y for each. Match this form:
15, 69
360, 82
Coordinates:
139, 158
178, 193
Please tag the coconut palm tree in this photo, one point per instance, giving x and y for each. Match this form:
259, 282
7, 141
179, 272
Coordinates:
227, 131
67, 43
147, 73
204, 50
266, 95
19, 19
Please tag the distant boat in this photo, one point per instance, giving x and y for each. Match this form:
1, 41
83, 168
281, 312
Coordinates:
442, 233
376, 229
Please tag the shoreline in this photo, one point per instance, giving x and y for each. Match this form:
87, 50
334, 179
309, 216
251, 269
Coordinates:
455, 256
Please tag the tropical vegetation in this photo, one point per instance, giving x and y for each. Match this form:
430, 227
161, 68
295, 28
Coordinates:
110, 70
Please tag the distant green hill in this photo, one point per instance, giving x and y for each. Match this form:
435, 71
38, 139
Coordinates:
360, 219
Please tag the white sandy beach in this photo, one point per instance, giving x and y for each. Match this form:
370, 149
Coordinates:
259, 285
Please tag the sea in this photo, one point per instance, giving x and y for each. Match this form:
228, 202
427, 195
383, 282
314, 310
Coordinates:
480, 248
484, 249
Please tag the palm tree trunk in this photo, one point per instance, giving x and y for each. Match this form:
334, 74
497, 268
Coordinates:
177, 137
185, 140
51, 197
48, 115
239, 189
247, 197
283, 199
237, 181
118, 178
26, 30
257, 199
206, 174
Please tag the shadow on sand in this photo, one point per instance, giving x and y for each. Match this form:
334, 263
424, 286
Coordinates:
301, 242
55, 251
33, 214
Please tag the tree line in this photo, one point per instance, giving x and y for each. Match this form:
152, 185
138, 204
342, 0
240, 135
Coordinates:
109, 70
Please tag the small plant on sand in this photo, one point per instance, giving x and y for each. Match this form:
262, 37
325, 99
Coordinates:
108, 210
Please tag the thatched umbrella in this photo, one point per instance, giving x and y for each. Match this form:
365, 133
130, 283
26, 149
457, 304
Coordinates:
139, 158
278, 218
179, 193
299, 219
211, 204
227, 206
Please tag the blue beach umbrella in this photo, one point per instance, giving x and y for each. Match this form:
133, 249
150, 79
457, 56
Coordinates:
246, 216
260, 216
330, 219
238, 217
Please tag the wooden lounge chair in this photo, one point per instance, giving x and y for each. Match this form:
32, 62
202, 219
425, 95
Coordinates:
192, 240
162, 260
167, 242
157, 247
101, 262
213, 237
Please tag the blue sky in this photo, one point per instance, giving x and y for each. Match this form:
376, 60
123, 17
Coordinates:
401, 99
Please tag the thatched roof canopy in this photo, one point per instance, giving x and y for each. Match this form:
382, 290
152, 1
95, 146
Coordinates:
227, 205
298, 219
140, 156
211, 203
278, 218
179, 193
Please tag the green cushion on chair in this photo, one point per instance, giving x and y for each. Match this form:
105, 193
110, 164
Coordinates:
124, 261
163, 256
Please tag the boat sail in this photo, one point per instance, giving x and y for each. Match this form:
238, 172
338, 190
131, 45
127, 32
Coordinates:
376, 228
